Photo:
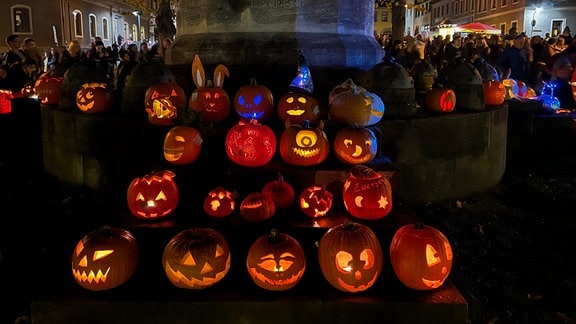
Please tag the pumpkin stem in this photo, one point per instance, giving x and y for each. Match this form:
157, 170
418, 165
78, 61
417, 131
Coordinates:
253, 81
419, 226
274, 235
350, 226
280, 177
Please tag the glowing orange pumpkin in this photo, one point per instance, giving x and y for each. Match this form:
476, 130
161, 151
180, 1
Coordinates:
182, 145
355, 145
209, 98
153, 196
303, 145
162, 102
315, 201
355, 106
276, 261
297, 107
350, 257
494, 93
196, 258
105, 258
421, 256
257, 207
47, 89
367, 194
441, 100
94, 98
219, 203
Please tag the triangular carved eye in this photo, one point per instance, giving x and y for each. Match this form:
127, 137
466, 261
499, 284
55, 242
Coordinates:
432, 257
206, 268
173, 93
188, 260
155, 95
161, 196
79, 248
219, 251
101, 254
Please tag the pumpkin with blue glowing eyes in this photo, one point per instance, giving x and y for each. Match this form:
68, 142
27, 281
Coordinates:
182, 145
105, 258
297, 107
355, 145
421, 256
162, 102
254, 101
304, 145
153, 196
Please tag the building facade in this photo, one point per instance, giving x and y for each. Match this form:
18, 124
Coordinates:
55, 22
534, 17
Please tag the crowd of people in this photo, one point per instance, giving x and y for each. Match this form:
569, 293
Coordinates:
542, 63
23, 63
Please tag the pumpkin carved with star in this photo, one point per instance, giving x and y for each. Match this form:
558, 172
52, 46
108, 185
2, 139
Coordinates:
367, 194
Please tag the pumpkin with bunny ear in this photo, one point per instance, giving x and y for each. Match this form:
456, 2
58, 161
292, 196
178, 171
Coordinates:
209, 98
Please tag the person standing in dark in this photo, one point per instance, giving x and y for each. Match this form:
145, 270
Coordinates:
562, 71
513, 62
125, 67
15, 75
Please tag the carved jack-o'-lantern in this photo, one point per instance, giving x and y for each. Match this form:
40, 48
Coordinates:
105, 258
441, 100
94, 98
154, 195
210, 100
421, 256
296, 107
315, 201
162, 101
280, 191
303, 145
350, 257
254, 101
351, 104
276, 261
219, 203
494, 93
257, 207
182, 145
355, 145
6, 101
511, 88
367, 194
196, 258
47, 89
250, 144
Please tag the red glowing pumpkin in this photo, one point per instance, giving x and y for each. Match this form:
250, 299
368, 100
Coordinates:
250, 144
315, 201
6, 101
441, 100
219, 203
367, 194
494, 93
280, 191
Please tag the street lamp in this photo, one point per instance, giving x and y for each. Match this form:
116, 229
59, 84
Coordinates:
138, 13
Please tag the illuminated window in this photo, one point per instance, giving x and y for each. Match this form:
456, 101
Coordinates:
92, 25
21, 20
78, 30
105, 28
